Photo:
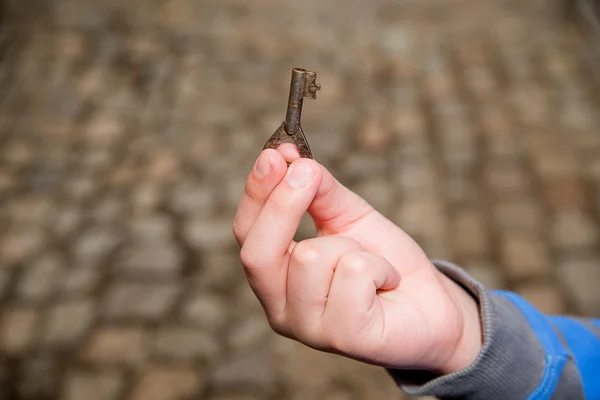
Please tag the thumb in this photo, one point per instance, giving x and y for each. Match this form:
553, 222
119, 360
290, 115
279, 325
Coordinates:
336, 208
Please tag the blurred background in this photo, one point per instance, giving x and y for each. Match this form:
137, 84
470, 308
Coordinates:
127, 130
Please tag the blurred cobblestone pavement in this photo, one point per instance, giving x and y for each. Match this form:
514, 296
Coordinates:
128, 129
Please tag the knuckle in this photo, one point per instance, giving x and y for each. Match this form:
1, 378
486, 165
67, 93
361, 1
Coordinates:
279, 325
248, 257
306, 252
250, 192
354, 263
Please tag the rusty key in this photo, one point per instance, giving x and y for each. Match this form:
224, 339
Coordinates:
303, 85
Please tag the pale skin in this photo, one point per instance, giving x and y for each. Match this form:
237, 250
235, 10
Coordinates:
362, 288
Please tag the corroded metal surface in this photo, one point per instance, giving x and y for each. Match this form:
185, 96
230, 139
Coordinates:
303, 85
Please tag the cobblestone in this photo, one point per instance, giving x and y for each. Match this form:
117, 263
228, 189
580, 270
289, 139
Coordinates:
186, 344
41, 279
67, 322
580, 277
161, 260
17, 329
93, 386
131, 128
168, 382
136, 300
116, 345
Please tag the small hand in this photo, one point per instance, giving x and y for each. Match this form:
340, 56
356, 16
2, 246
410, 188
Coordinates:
362, 288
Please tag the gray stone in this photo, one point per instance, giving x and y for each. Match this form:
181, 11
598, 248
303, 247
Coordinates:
42, 278
183, 343
67, 322
486, 273
79, 188
522, 215
255, 368
574, 231
580, 275
67, 221
21, 243
122, 345
79, 281
362, 166
106, 385
248, 332
145, 197
206, 310
109, 209
161, 260
153, 227
17, 329
204, 234
94, 245
143, 301
220, 271
169, 382
189, 198
39, 378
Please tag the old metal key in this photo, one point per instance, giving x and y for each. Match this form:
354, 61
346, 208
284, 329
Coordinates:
303, 85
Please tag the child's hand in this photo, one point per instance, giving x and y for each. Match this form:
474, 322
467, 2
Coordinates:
363, 288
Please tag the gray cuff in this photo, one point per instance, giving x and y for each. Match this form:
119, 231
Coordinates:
511, 362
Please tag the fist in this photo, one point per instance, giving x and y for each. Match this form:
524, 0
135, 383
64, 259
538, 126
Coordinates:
362, 287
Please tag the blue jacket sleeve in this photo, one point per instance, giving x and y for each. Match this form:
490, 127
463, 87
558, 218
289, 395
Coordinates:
526, 355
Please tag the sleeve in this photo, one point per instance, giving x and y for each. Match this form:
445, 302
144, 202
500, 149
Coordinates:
525, 354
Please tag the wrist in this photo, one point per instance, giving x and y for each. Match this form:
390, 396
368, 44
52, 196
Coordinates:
470, 339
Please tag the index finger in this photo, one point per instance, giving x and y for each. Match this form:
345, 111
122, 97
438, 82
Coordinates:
265, 252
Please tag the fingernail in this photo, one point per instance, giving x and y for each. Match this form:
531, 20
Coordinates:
263, 168
300, 175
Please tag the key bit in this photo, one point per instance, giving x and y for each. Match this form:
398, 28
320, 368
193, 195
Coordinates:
303, 85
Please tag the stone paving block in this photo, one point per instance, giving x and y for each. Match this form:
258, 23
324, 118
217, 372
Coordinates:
168, 382
78, 282
67, 322
40, 377
378, 193
202, 234
41, 279
567, 194
546, 298
146, 197
67, 221
158, 259
251, 368
524, 256
116, 345
522, 215
420, 216
189, 344
21, 243
469, 239
206, 310
574, 230
580, 276
487, 273
188, 198
18, 329
93, 385
94, 245
506, 180
219, 271
144, 301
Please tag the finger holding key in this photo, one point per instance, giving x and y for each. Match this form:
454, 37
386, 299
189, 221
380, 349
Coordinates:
265, 254
269, 169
